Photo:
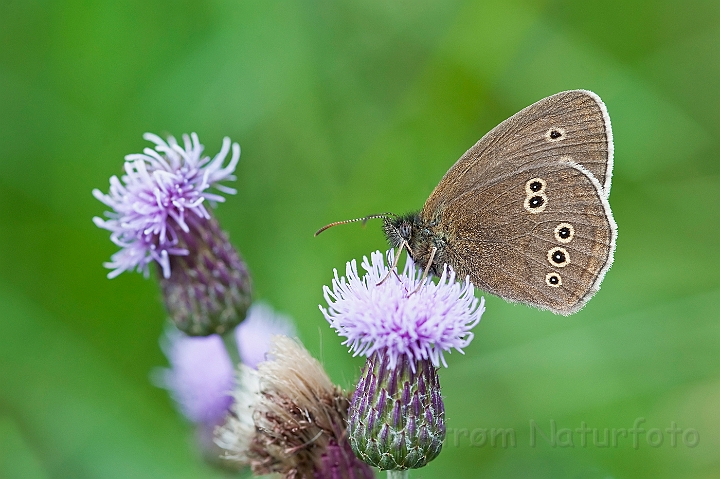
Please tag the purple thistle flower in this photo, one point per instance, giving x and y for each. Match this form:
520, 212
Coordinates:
201, 376
404, 325
386, 317
152, 200
159, 215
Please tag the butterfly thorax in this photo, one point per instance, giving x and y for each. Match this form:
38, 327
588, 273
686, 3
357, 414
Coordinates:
419, 237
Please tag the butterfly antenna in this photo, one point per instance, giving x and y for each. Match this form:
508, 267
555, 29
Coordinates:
363, 219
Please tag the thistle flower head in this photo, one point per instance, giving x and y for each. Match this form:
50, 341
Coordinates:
289, 418
151, 202
386, 317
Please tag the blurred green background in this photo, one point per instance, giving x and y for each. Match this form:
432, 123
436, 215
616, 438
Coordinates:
344, 109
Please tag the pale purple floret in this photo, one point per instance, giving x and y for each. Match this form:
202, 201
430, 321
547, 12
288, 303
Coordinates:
201, 377
422, 325
151, 200
253, 335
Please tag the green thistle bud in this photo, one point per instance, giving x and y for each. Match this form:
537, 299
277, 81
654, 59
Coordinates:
208, 290
397, 416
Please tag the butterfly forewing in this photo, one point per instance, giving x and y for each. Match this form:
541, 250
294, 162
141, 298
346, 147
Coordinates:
568, 126
542, 235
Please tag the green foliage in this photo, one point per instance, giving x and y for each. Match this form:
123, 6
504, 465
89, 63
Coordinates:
344, 109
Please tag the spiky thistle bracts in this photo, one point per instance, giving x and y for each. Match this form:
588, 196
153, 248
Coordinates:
397, 416
209, 290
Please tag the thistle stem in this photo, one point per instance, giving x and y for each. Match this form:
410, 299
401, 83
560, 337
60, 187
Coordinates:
231, 347
398, 474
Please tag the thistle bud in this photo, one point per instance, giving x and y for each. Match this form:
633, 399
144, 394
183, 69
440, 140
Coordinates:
397, 416
209, 289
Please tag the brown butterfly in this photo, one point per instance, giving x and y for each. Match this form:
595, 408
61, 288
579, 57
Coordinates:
524, 212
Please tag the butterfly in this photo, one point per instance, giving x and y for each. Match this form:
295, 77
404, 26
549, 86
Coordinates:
524, 212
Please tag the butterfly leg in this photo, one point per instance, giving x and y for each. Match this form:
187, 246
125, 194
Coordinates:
425, 273
395, 262
394, 265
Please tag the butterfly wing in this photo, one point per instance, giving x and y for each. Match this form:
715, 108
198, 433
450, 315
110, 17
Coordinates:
568, 126
543, 235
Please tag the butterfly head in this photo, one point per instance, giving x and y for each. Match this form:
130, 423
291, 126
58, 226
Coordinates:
399, 229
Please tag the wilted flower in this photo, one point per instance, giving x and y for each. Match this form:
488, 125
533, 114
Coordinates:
159, 215
397, 414
289, 418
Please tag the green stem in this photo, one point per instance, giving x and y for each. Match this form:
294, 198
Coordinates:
398, 474
231, 347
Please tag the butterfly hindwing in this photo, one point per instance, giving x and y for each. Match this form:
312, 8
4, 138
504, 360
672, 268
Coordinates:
543, 235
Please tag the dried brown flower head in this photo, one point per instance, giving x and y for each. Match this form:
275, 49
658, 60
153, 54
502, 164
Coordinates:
289, 418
